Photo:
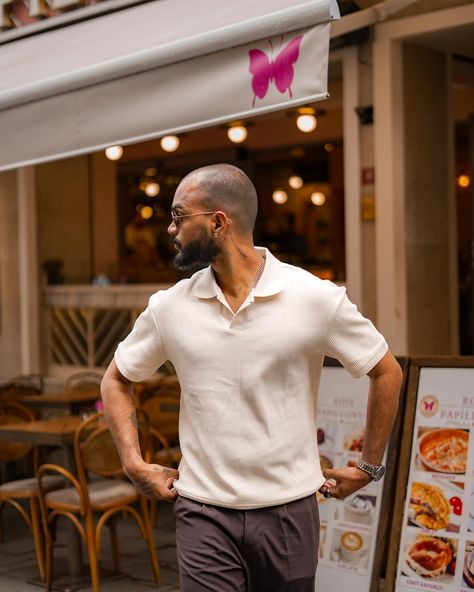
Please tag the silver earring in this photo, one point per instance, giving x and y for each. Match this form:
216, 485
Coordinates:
215, 234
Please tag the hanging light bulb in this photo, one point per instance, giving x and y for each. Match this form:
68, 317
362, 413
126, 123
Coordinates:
295, 182
114, 152
464, 181
306, 120
146, 212
237, 133
318, 198
152, 189
279, 196
169, 143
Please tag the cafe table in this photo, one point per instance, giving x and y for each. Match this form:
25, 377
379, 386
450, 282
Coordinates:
58, 431
72, 401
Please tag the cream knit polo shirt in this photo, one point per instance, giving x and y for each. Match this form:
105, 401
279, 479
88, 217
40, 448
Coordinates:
249, 381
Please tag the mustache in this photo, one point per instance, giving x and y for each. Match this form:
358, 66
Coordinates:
175, 242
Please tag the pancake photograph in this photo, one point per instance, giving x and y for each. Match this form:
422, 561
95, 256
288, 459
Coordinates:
428, 507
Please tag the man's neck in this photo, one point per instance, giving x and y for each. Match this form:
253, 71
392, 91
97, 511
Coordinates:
235, 271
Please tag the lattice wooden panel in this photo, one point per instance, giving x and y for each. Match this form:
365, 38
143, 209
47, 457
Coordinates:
86, 337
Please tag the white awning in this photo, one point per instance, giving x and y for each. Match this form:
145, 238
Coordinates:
160, 67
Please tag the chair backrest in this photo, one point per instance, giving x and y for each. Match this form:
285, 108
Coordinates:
95, 451
85, 380
13, 413
26, 384
162, 411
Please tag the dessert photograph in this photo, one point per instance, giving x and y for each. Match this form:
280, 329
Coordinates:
468, 565
430, 557
354, 440
442, 450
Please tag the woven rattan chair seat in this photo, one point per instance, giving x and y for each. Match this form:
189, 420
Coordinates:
101, 494
29, 487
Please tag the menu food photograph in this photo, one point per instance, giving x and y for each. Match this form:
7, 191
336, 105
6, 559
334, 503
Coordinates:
348, 527
436, 549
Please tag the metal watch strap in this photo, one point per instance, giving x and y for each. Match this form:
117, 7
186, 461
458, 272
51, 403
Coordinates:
371, 470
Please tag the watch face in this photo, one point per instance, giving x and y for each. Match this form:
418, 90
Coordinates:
379, 473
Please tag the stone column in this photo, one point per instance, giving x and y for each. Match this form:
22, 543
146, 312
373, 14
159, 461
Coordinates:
429, 204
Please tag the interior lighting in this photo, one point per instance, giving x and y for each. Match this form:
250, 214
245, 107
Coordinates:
237, 133
279, 196
328, 147
318, 198
146, 212
169, 143
464, 181
114, 152
295, 182
152, 189
306, 120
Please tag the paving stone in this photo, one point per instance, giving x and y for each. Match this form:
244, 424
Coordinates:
18, 559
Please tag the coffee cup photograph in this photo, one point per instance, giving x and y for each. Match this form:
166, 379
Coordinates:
350, 547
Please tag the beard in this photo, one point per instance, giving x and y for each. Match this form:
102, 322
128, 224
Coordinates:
197, 254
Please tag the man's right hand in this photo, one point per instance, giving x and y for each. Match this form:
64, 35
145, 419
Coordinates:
154, 481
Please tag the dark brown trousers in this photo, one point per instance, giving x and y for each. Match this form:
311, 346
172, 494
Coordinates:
272, 549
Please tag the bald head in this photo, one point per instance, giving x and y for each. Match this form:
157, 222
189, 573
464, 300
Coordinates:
227, 188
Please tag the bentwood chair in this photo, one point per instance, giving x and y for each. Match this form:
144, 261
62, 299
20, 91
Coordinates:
17, 493
83, 380
162, 411
26, 384
92, 504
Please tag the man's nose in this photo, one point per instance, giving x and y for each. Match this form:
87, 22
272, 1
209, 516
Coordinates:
172, 228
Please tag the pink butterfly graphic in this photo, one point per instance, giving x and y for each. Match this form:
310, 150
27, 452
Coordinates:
429, 406
280, 71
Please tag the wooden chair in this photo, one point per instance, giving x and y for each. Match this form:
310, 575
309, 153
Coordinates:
162, 412
83, 380
107, 497
23, 490
26, 384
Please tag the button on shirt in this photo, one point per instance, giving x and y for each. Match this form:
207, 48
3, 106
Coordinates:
249, 380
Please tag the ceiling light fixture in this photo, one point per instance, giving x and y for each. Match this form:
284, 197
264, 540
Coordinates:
146, 212
318, 198
114, 152
295, 182
152, 189
306, 120
237, 132
169, 143
279, 196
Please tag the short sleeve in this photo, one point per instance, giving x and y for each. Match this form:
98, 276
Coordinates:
353, 340
141, 353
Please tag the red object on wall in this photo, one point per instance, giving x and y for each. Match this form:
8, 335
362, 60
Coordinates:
368, 176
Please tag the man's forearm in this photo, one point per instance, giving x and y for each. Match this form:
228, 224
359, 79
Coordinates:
120, 412
382, 408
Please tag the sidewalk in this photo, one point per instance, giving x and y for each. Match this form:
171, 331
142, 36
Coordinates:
18, 563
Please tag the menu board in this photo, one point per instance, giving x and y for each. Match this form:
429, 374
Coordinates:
348, 527
436, 550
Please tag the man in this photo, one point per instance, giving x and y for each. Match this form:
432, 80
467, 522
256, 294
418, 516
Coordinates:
247, 336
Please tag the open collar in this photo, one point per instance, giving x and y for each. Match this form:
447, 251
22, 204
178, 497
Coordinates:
271, 281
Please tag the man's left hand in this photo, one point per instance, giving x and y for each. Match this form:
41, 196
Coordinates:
341, 483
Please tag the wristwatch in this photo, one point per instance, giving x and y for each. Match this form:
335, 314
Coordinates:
374, 471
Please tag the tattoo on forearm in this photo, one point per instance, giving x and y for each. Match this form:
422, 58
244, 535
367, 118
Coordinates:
133, 419
147, 487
